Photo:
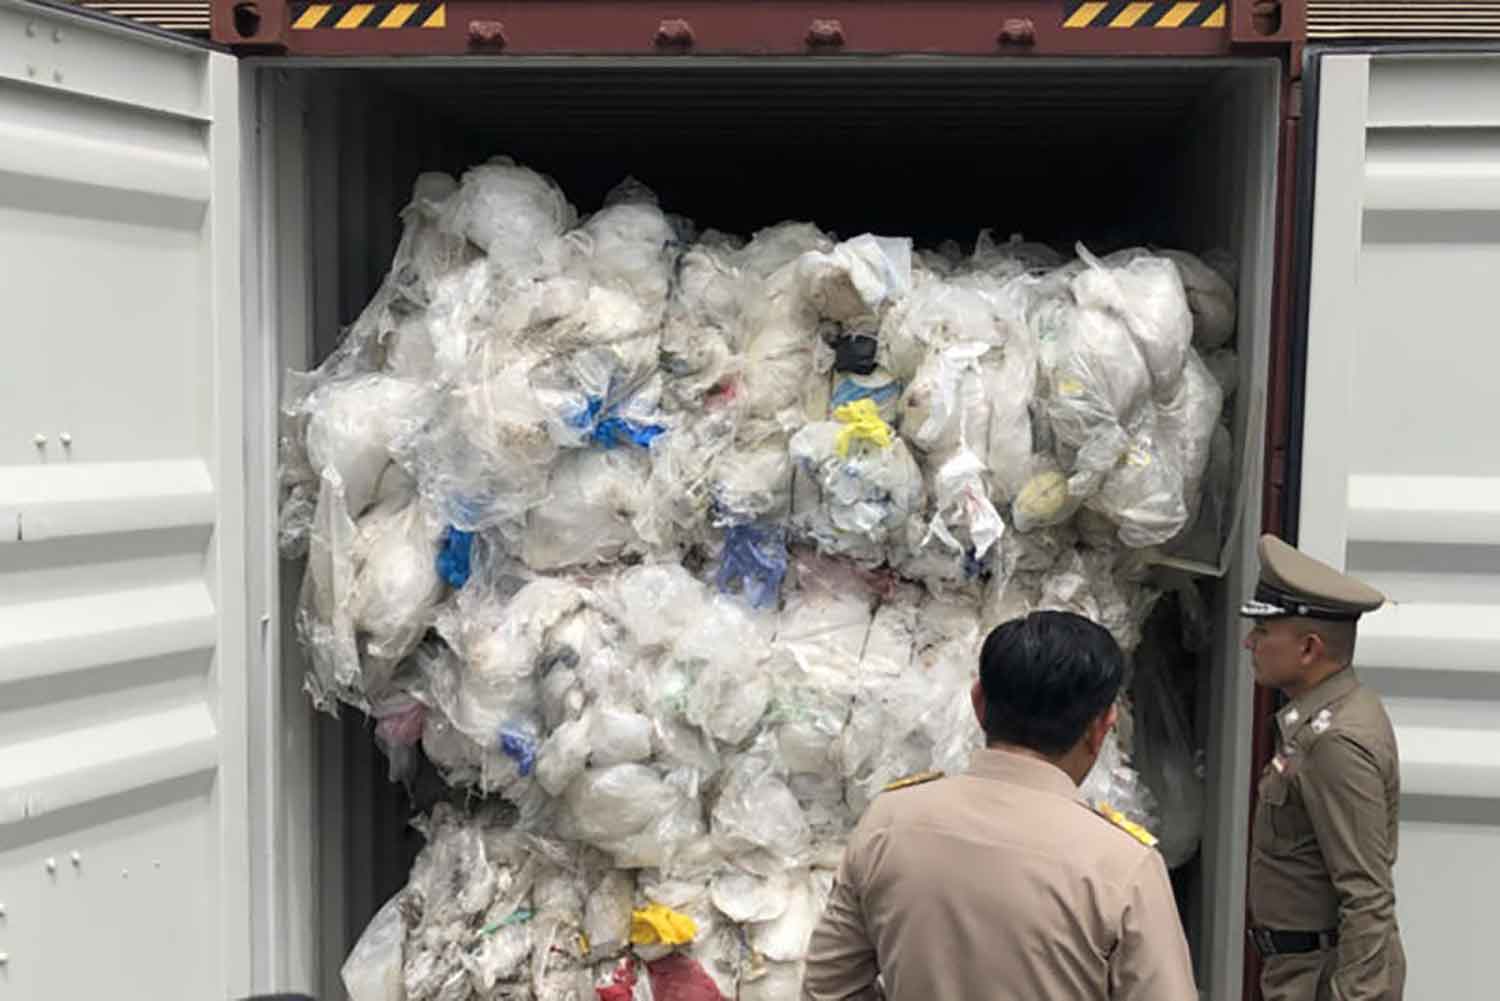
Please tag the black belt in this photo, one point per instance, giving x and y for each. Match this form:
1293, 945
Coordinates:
1269, 942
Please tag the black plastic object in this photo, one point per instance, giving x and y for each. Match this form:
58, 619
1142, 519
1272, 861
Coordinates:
854, 353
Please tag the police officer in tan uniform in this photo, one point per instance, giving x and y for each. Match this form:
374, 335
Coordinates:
1001, 883
1323, 909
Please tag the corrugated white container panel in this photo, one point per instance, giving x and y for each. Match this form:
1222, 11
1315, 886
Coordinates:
1401, 461
124, 860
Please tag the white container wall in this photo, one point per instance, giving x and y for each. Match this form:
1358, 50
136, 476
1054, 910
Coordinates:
1401, 462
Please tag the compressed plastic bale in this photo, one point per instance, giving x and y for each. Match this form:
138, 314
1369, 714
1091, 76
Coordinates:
588, 517
354, 424
1210, 298
1147, 295
858, 277
372, 972
512, 213
607, 914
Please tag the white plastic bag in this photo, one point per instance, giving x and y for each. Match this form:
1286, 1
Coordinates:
1147, 295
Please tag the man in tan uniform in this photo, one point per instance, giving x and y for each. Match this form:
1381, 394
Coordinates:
1322, 905
1002, 884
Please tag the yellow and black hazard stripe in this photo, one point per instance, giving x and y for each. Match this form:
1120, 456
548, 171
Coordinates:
347, 16
1141, 14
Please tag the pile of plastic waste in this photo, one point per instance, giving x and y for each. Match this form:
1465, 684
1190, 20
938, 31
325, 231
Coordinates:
676, 548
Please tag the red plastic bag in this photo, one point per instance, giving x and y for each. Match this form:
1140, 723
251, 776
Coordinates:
622, 986
680, 978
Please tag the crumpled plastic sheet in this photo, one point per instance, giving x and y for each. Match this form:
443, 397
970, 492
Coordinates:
675, 548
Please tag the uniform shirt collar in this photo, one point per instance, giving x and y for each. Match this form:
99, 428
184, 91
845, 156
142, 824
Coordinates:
1021, 770
1307, 706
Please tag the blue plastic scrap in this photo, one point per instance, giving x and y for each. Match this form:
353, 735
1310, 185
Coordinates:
753, 563
520, 747
610, 430
454, 556
848, 391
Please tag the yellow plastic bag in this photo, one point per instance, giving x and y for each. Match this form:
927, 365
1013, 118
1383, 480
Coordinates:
658, 925
862, 422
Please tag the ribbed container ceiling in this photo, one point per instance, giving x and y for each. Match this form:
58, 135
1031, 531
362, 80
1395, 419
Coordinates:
1403, 19
931, 147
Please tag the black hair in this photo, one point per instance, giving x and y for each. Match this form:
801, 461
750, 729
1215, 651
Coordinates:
1045, 678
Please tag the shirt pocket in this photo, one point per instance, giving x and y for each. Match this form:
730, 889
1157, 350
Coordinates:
1287, 818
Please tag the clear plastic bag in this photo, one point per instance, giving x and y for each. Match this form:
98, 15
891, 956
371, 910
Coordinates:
1144, 493
1098, 387
513, 214
325, 620
608, 804
373, 970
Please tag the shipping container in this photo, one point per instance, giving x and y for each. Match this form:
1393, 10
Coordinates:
180, 223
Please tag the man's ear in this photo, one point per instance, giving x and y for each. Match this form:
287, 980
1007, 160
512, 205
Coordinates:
1100, 728
976, 698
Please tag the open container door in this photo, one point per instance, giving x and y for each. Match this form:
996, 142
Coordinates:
1400, 465
125, 862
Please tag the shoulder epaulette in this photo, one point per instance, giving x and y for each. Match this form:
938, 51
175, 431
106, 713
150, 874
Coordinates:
1125, 824
920, 778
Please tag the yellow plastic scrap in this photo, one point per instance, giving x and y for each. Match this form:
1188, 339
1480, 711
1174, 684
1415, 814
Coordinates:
862, 422
655, 924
